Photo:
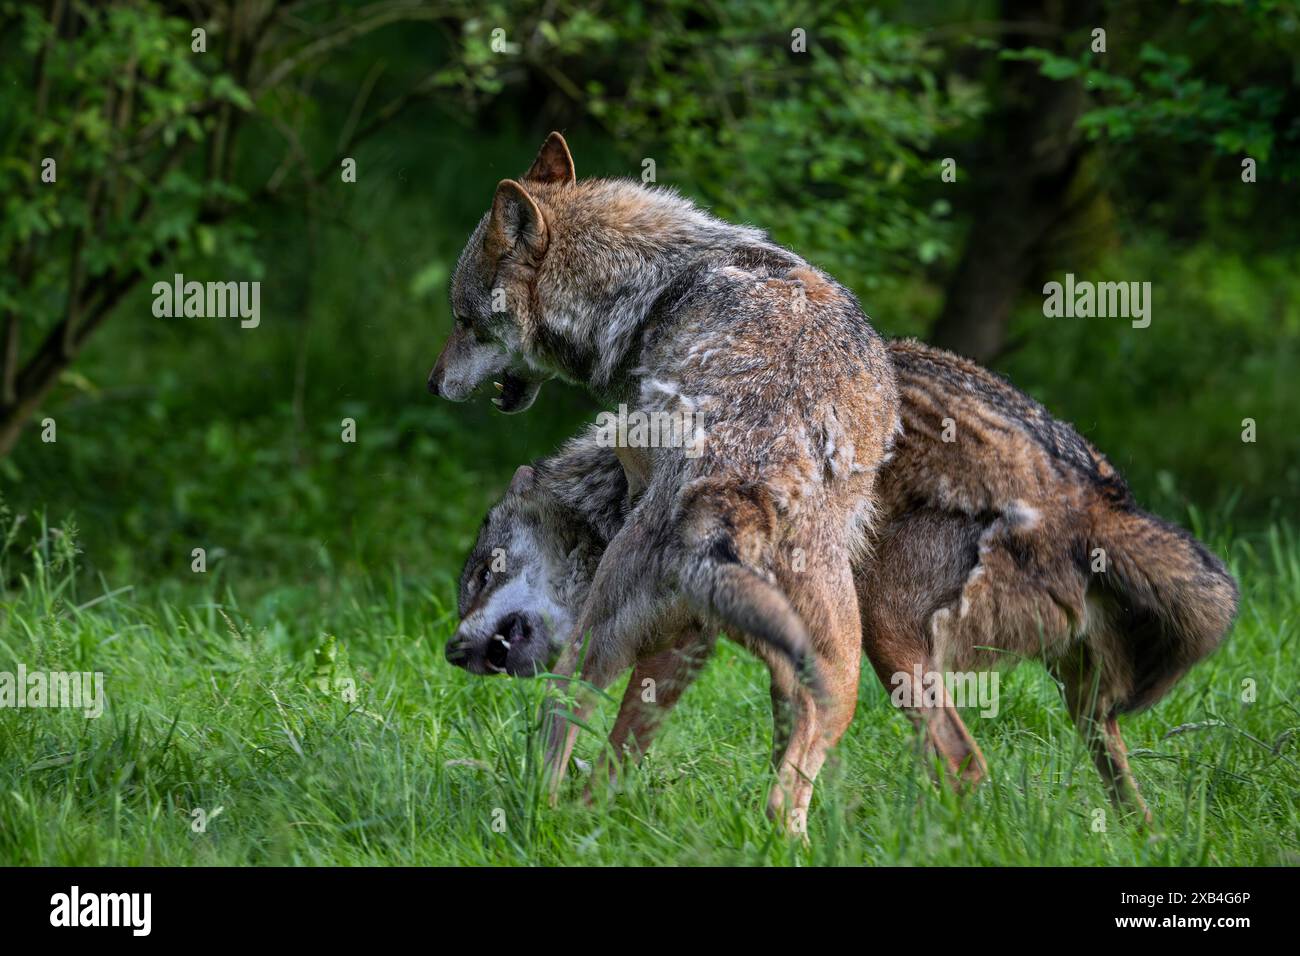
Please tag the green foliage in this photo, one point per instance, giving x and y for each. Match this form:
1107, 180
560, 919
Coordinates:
1167, 403
828, 147
1201, 98
121, 96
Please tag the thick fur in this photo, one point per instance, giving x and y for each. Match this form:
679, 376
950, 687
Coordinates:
647, 300
1050, 507
984, 556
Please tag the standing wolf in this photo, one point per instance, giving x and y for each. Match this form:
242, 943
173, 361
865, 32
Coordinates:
1008, 537
651, 302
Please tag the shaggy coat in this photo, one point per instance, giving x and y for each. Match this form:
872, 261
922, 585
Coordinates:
648, 301
1002, 535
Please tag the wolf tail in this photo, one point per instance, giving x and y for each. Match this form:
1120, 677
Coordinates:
726, 527
1179, 600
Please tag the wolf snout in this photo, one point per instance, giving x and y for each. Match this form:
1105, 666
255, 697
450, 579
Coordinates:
441, 385
509, 648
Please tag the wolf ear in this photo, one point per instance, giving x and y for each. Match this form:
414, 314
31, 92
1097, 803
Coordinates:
636, 468
516, 222
554, 163
523, 480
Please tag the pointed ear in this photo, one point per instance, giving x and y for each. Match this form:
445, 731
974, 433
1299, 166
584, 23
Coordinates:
636, 468
554, 163
516, 222
522, 481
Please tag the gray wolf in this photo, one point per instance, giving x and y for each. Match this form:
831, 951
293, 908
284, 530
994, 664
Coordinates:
648, 301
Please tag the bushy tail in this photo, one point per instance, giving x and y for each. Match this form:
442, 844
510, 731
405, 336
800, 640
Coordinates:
1179, 600
725, 528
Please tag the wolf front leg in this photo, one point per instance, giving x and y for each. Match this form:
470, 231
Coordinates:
561, 725
618, 611
657, 683
898, 650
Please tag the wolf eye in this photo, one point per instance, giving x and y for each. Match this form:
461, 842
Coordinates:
482, 576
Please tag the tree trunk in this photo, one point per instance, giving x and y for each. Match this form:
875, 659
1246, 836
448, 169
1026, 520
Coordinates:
57, 351
14, 417
1027, 177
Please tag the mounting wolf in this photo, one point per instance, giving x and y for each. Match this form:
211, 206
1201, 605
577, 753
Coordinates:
1015, 539
649, 301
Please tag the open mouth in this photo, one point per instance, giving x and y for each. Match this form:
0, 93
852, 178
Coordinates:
514, 631
514, 394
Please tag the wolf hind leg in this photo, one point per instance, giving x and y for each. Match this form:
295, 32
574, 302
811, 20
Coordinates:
810, 722
1092, 707
726, 530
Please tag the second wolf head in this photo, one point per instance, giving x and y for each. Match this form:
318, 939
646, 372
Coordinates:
537, 550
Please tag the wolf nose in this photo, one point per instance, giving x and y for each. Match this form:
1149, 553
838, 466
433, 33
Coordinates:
457, 652
433, 382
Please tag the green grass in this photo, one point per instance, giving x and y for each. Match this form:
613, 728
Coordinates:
217, 703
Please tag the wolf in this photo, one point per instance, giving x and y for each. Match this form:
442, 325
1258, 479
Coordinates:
1002, 535
649, 301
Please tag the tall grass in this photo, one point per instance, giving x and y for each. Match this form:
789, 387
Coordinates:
246, 715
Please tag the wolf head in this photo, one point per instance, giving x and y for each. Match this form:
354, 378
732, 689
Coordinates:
523, 582
491, 297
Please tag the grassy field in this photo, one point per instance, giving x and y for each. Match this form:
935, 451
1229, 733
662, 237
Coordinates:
224, 706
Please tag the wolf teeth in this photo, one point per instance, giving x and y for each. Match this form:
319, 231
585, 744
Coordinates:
498, 637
